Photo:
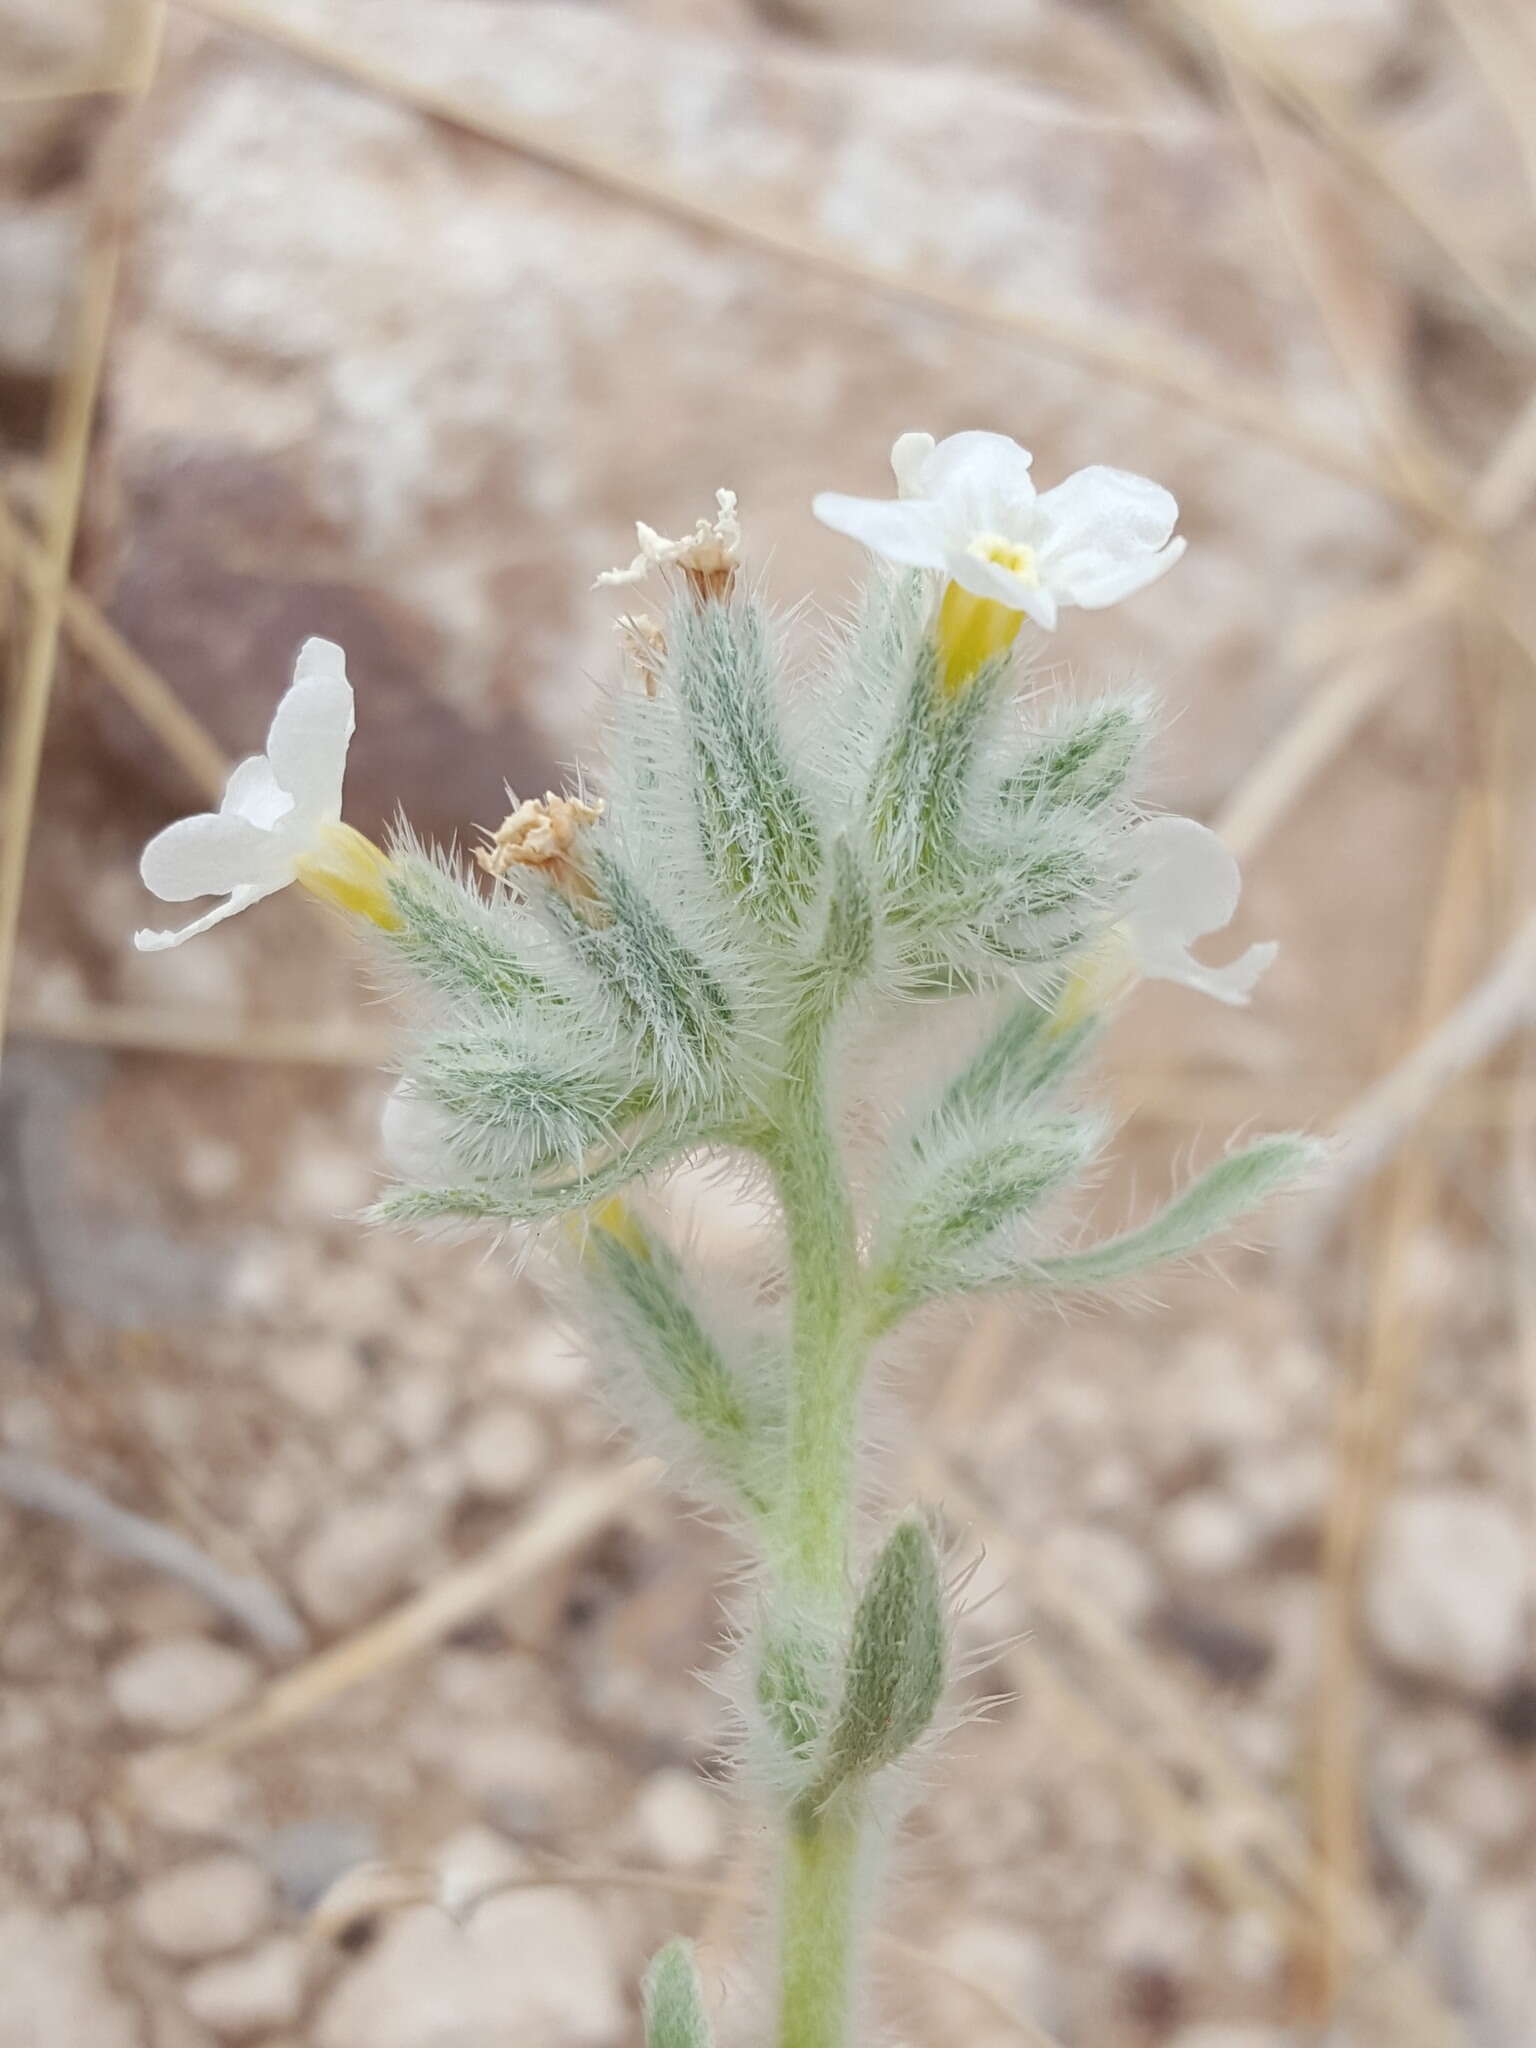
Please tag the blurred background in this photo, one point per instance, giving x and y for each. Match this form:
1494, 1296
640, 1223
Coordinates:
384, 319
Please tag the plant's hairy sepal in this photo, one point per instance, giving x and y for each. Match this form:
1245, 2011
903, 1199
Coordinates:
1027, 1054
464, 947
661, 993
755, 821
523, 1097
1088, 754
846, 950
896, 1660
673, 2001
1224, 1193
525, 1200
959, 1197
918, 796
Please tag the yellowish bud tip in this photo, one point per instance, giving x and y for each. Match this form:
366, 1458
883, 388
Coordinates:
346, 869
1098, 979
614, 1218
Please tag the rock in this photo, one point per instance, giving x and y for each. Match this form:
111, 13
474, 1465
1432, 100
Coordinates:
677, 1820
506, 1449
1206, 1532
180, 1683
1011, 1962
1154, 1928
532, 1966
308, 1856
251, 1993
471, 1863
1108, 1568
56, 1987
320, 1375
185, 1795
362, 1555
204, 1908
415, 1404
1228, 1652
1285, 1491
1445, 1598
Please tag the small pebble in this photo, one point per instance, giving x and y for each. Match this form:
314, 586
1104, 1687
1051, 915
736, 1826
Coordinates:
204, 1908
180, 1683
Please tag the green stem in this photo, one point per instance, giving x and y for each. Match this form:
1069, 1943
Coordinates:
816, 1940
826, 1364
827, 1357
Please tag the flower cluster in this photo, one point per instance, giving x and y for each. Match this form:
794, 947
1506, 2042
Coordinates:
688, 966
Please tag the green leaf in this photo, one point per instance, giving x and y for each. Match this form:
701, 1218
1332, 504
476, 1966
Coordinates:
645, 1288
1226, 1191
790, 1692
897, 1655
673, 2002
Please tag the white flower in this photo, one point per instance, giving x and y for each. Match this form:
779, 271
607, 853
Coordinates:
280, 818
1187, 884
709, 556
968, 506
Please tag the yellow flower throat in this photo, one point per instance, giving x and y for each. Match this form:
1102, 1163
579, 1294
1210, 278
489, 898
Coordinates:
973, 629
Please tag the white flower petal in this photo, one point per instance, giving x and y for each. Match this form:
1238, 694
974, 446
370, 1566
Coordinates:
908, 531
1105, 583
909, 455
1105, 512
210, 854
252, 793
981, 470
1188, 884
1232, 984
238, 900
311, 731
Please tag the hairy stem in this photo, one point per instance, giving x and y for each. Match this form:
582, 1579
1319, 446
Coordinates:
820, 1880
826, 1368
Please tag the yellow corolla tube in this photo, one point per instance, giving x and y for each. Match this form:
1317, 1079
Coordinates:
345, 868
972, 629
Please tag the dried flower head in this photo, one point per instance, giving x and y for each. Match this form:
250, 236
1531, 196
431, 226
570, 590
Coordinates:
709, 556
542, 832
645, 643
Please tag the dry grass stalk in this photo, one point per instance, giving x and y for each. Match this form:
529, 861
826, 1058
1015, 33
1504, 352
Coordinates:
1330, 116
571, 1515
141, 687
69, 440
133, 1027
